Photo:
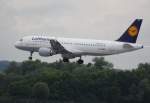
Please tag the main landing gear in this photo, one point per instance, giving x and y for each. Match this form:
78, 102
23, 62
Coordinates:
30, 57
80, 61
66, 60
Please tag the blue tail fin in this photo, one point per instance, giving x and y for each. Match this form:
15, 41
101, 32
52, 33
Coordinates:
132, 32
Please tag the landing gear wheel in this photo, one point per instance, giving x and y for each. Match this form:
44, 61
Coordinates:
65, 60
30, 57
80, 61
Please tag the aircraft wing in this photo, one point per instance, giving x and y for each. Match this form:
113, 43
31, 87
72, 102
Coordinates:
66, 52
58, 48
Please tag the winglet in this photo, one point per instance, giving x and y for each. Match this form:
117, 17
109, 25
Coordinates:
132, 32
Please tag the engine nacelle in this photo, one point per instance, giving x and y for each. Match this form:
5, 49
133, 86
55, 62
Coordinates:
46, 52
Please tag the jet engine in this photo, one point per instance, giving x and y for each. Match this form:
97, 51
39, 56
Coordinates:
46, 52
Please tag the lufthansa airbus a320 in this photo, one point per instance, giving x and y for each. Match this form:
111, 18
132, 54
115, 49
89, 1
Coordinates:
70, 48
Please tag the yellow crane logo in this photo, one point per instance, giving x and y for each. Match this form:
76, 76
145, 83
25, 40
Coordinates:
133, 31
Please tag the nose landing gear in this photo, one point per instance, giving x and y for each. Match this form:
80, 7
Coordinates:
30, 57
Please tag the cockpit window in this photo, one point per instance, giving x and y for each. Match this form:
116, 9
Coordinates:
21, 40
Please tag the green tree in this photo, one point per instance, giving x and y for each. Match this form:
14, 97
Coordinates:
101, 63
144, 86
13, 68
40, 90
19, 89
30, 66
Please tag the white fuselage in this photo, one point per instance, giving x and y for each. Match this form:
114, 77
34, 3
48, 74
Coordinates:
78, 47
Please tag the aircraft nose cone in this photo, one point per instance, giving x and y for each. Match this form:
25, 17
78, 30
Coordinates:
16, 44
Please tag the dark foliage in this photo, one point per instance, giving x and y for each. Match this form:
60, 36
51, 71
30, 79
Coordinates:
3, 65
58, 82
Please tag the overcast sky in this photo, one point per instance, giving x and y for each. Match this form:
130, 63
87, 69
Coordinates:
94, 19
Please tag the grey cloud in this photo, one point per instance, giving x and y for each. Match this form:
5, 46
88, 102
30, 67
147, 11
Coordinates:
95, 19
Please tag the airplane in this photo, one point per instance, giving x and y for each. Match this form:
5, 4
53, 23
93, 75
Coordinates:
70, 48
